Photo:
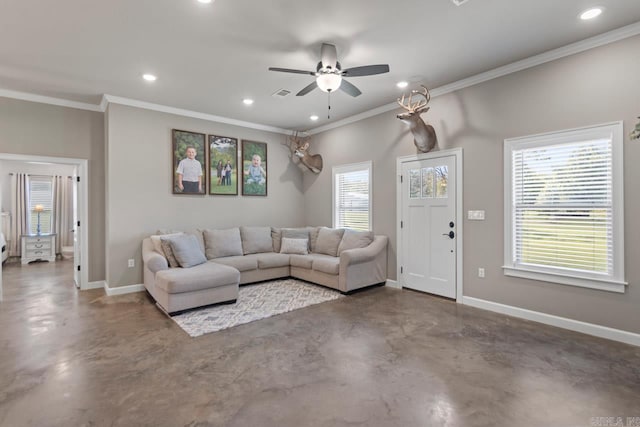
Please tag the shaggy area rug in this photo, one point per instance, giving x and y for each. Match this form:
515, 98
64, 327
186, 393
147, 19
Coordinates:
255, 302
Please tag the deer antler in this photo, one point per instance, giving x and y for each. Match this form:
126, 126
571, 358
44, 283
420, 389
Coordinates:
419, 104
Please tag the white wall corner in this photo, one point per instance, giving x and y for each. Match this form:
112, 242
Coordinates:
121, 290
560, 322
393, 284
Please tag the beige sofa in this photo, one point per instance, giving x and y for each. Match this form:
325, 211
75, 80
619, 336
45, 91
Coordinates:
217, 280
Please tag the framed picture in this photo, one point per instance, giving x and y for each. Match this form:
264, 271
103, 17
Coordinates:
254, 168
189, 160
223, 165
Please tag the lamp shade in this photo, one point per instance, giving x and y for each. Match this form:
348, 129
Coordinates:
38, 208
329, 82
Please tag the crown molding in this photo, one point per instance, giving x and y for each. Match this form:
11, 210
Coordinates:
111, 99
551, 55
41, 99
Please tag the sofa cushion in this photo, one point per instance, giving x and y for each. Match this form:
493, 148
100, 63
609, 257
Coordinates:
256, 240
157, 244
302, 261
313, 237
294, 246
353, 239
328, 241
168, 252
272, 260
329, 264
203, 276
276, 237
222, 243
186, 250
240, 262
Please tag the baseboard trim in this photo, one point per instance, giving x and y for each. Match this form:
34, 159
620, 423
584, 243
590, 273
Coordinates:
560, 322
95, 285
121, 290
393, 284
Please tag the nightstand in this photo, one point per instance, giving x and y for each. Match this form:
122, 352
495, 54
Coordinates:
38, 247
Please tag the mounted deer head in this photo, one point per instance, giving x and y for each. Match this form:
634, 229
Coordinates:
424, 136
299, 146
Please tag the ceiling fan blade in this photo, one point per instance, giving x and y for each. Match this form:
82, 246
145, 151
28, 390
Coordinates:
307, 89
328, 55
366, 70
288, 70
349, 88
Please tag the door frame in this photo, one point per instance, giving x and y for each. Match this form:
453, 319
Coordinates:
83, 202
458, 154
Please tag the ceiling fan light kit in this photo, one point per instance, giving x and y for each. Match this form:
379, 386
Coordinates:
328, 82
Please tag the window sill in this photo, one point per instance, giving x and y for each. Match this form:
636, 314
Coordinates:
583, 282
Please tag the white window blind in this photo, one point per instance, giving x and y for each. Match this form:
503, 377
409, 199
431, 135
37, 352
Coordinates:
564, 207
40, 193
352, 196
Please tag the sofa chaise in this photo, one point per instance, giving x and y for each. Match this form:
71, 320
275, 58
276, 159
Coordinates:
341, 259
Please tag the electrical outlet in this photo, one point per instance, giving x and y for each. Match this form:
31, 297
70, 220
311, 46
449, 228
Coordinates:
132, 263
481, 273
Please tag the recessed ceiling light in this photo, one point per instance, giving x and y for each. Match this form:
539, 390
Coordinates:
402, 85
205, 1
247, 101
591, 13
149, 77
314, 117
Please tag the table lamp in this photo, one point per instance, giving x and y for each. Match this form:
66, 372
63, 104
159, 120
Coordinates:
38, 209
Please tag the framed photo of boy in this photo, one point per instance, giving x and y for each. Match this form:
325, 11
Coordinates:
189, 160
254, 168
223, 165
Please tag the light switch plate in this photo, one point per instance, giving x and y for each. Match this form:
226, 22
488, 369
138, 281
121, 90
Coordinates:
475, 215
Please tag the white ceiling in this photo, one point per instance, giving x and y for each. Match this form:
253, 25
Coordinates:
209, 57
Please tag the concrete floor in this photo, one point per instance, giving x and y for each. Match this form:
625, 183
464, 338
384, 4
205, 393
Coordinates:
381, 357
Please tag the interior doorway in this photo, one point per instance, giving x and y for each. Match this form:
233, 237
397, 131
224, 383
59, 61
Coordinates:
73, 240
429, 207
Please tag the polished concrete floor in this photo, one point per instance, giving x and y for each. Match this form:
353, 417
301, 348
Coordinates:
381, 357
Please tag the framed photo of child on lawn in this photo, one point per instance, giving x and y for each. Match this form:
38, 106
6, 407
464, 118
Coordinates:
254, 168
188, 163
223, 165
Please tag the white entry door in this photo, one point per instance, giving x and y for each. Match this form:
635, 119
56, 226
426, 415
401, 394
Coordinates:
428, 227
76, 235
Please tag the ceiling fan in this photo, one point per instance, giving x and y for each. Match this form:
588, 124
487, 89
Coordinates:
329, 74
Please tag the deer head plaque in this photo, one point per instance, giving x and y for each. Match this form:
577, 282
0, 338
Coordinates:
299, 146
424, 136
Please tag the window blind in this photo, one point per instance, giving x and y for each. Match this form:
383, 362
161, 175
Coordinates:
352, 199
40, 193
563, 206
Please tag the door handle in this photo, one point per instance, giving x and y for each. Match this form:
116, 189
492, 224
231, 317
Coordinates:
451, 234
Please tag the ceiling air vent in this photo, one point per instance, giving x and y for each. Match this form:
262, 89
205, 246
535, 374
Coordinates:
459, 2
281, 93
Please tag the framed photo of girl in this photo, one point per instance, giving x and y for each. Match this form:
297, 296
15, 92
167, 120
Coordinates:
254, 168
223, 165
189, 159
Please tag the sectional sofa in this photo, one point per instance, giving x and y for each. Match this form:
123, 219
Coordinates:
341, 259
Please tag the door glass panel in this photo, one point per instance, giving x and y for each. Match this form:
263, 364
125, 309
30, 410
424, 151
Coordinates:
427, 183
442, 177
414, 183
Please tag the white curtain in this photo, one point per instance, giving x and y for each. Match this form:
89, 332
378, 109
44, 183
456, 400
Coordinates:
19, 211
62, 212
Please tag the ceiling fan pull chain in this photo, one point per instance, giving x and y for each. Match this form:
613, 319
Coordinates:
329, 106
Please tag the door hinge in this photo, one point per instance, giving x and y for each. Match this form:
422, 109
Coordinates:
400, 178
401, 224
78, 178
401, 270
78, 268
78, 223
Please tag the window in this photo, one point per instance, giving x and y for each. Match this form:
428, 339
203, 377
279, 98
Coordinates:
352, 196
40, 194
564, 207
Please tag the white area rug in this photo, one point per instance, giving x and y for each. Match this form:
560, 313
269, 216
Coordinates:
255, 302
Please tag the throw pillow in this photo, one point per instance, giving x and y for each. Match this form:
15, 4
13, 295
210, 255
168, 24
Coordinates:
313, 237
155, 240
294, 246
329, 240
256, 240
168, 252
221, 243
353, 239
186, 249
276, 237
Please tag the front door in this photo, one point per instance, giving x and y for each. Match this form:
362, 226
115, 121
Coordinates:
76, 235
429, 225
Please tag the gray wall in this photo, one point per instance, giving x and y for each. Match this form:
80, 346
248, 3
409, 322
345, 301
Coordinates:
139, 177
597, 86
48, 130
